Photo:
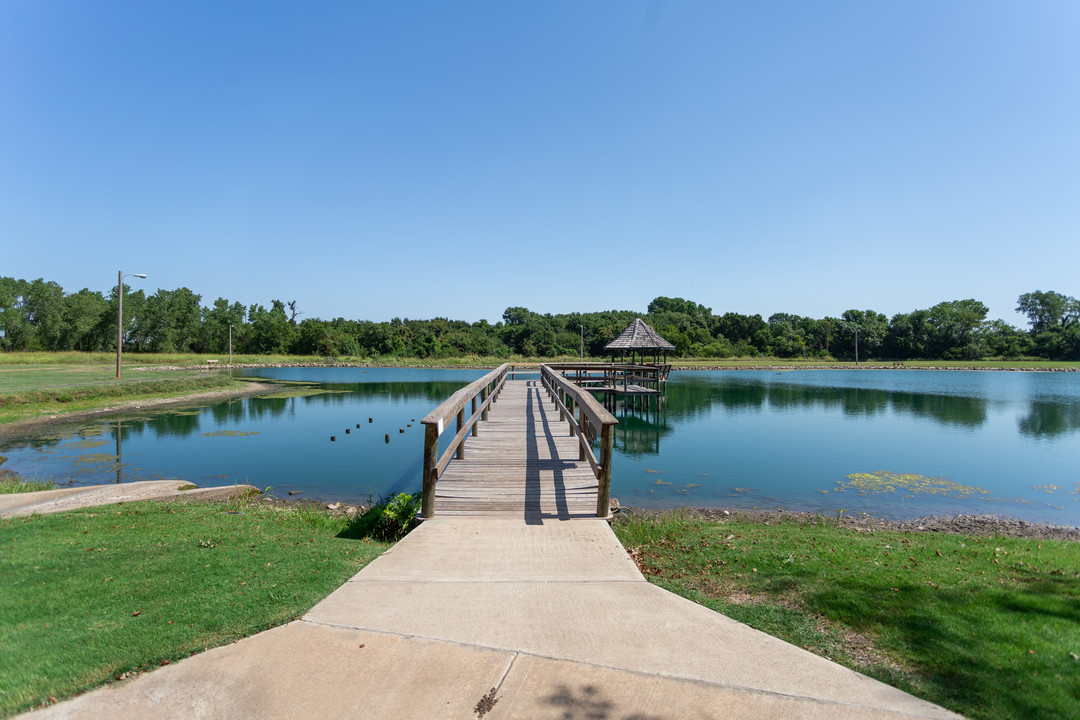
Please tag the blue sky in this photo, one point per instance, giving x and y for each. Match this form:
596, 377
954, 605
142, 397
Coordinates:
418, 159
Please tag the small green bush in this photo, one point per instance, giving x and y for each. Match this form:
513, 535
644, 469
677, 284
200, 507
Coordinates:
388, 520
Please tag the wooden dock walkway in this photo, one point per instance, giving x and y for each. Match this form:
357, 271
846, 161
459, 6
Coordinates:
524, 448
524, 463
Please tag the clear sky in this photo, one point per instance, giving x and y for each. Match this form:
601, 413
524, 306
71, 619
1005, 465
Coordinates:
416, 159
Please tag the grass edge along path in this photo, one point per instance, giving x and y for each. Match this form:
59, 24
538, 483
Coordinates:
94, 595
986, 626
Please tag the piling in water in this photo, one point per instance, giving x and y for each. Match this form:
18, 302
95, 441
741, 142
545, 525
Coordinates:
333, 438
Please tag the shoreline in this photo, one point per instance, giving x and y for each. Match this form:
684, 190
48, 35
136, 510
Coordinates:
30, 426
530, 365
978, 525
956, 524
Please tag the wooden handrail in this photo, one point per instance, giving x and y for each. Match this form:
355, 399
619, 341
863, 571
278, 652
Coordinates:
614, 374
436, 421
592, 417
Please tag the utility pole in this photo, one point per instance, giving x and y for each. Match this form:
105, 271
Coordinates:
120, 316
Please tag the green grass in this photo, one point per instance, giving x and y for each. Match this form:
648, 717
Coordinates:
982, 626
92, 594
10, 485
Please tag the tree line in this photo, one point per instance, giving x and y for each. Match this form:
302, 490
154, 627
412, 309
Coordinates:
39, 315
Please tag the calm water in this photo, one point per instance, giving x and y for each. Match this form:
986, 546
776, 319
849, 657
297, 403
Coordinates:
987, 442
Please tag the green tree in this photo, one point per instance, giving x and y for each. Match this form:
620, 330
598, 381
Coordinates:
85, 316
214, 329
15, 327
44, 303
956, 330
171, 320
271, 331
908, 336
1046, 310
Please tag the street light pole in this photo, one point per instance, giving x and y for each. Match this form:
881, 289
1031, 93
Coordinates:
120, 317
582, 342
230, 344
856, 346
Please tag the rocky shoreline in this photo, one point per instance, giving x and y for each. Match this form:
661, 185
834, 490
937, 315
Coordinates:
977, 525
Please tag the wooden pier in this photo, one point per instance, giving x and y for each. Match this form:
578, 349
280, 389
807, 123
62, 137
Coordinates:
525, 449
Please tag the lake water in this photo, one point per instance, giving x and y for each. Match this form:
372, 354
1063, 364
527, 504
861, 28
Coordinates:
896, 444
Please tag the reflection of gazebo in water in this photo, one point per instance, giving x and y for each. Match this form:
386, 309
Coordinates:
638, 337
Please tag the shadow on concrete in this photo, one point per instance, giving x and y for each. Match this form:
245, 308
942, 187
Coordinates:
588, 702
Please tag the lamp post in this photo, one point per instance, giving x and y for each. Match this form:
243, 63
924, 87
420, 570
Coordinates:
120, 317
856, 346
582, 342
230, 345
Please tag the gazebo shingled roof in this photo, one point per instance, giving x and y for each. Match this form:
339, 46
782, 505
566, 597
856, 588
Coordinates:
639, 336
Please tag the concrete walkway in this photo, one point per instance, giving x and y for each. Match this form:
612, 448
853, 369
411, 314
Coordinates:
554, 617
44, 502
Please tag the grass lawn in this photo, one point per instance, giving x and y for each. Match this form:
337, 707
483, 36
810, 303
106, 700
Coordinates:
982, 626
92, 594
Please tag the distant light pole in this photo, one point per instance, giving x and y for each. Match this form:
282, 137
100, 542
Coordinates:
230, 344
120, 317
582, 342
856, 346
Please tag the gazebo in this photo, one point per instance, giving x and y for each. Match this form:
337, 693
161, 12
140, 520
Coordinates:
638, 337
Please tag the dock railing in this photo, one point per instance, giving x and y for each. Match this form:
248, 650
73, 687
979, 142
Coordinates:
592, 420
479, 394
614, 375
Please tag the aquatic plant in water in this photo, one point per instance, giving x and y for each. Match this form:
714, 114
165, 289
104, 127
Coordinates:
883, 481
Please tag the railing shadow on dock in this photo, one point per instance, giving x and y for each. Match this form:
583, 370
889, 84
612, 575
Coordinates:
592, 420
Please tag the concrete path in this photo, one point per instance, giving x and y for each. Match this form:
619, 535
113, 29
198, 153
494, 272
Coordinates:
554, 617
65, 499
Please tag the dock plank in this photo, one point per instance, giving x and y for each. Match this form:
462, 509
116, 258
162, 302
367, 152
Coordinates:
523, 462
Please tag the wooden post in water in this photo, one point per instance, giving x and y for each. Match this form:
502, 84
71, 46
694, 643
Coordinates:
431, 470
603, 490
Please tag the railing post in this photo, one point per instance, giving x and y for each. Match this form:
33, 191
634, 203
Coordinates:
583, 423
461, 424
431, 471
570, 419
476, 425
603, 490
483, 399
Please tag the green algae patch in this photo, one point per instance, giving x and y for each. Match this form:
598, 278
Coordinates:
883, 481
